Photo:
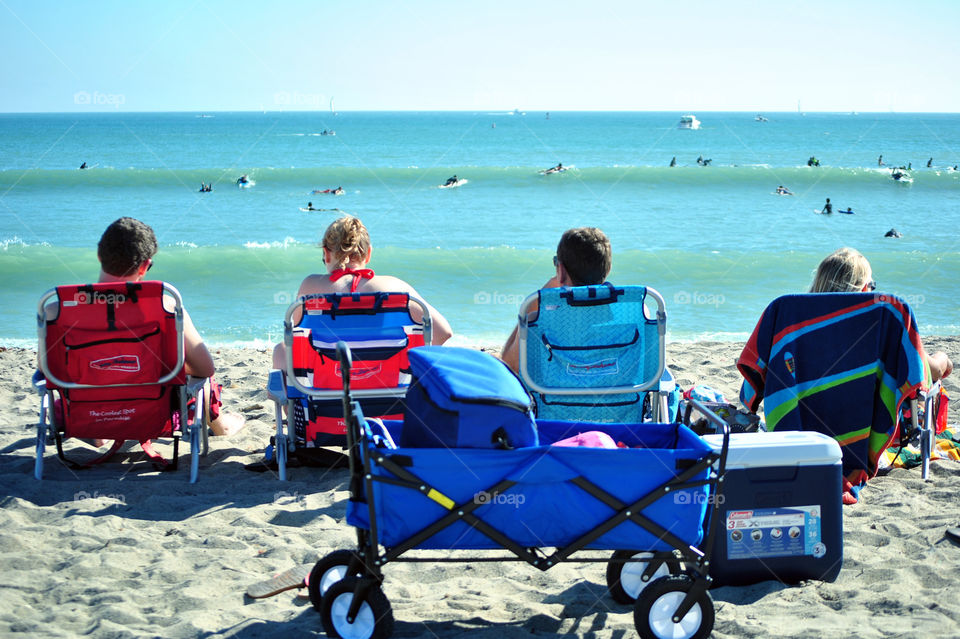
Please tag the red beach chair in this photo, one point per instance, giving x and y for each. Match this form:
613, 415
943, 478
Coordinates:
380, 330
111, 363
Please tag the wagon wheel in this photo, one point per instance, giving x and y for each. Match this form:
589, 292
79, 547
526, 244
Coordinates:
654, 610
326, 572
374, 620
625, 578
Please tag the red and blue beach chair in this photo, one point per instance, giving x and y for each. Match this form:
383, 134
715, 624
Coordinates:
380, 330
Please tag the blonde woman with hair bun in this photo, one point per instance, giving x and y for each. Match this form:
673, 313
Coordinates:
346, 253
846, 270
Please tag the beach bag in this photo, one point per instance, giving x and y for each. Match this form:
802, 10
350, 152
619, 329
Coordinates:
463, 398
739, 420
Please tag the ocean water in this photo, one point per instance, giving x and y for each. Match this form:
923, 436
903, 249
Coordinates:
715, 241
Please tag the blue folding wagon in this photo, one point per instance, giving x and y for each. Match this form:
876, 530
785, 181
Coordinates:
469, 468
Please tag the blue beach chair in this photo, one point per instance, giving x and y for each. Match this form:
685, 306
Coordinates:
380, 330
591, 353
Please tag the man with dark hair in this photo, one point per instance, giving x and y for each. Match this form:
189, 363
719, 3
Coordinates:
126, 251
583, 258
125, 245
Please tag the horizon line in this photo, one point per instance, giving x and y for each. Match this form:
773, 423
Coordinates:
497, 111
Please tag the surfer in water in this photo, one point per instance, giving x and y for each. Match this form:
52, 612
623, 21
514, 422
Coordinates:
827, 208
83, 166
243, 179
555, 169
205, 188
929, 163
310, 206
451, 180
673, 161
880, 160
782, 190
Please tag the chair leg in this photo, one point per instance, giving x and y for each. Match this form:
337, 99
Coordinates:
280, 440
926, 451
44, 419
41, 450
925, 438
280, 451
195, 430
204, 426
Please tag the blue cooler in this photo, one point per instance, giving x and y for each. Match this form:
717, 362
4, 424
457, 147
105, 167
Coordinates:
781, 516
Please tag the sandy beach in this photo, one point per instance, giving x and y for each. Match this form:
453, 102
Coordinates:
124, 551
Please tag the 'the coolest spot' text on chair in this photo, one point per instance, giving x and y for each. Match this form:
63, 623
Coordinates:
379, 329
837, 363
111, 361
592, 353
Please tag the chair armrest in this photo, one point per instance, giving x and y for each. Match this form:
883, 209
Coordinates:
39, 382
667, 382
276, 389
194, 384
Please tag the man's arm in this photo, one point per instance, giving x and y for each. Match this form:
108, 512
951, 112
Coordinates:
511, 350
197, 359
510, 353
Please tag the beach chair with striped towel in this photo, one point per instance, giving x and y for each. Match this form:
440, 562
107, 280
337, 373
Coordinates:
836, 363
380, 330
111, 360
594, 353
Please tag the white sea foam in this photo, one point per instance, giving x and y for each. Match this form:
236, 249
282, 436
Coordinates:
286, 243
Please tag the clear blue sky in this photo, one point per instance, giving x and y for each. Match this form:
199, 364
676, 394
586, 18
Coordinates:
629, 55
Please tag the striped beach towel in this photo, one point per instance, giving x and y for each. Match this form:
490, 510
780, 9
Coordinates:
835, 363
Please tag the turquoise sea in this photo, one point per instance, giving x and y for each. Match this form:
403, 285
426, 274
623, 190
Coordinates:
714, 240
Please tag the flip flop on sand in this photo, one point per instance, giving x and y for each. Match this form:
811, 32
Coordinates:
287, 580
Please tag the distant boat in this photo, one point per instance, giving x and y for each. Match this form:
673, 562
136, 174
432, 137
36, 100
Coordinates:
689, 122
332, 111
760, 118
517, 112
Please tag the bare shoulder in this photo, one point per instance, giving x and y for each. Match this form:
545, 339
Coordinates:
315, 283
389, 283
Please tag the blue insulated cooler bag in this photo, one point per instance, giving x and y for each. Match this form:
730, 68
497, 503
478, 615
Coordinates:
463, 398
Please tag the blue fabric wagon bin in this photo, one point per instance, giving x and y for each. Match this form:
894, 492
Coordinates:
474, 471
